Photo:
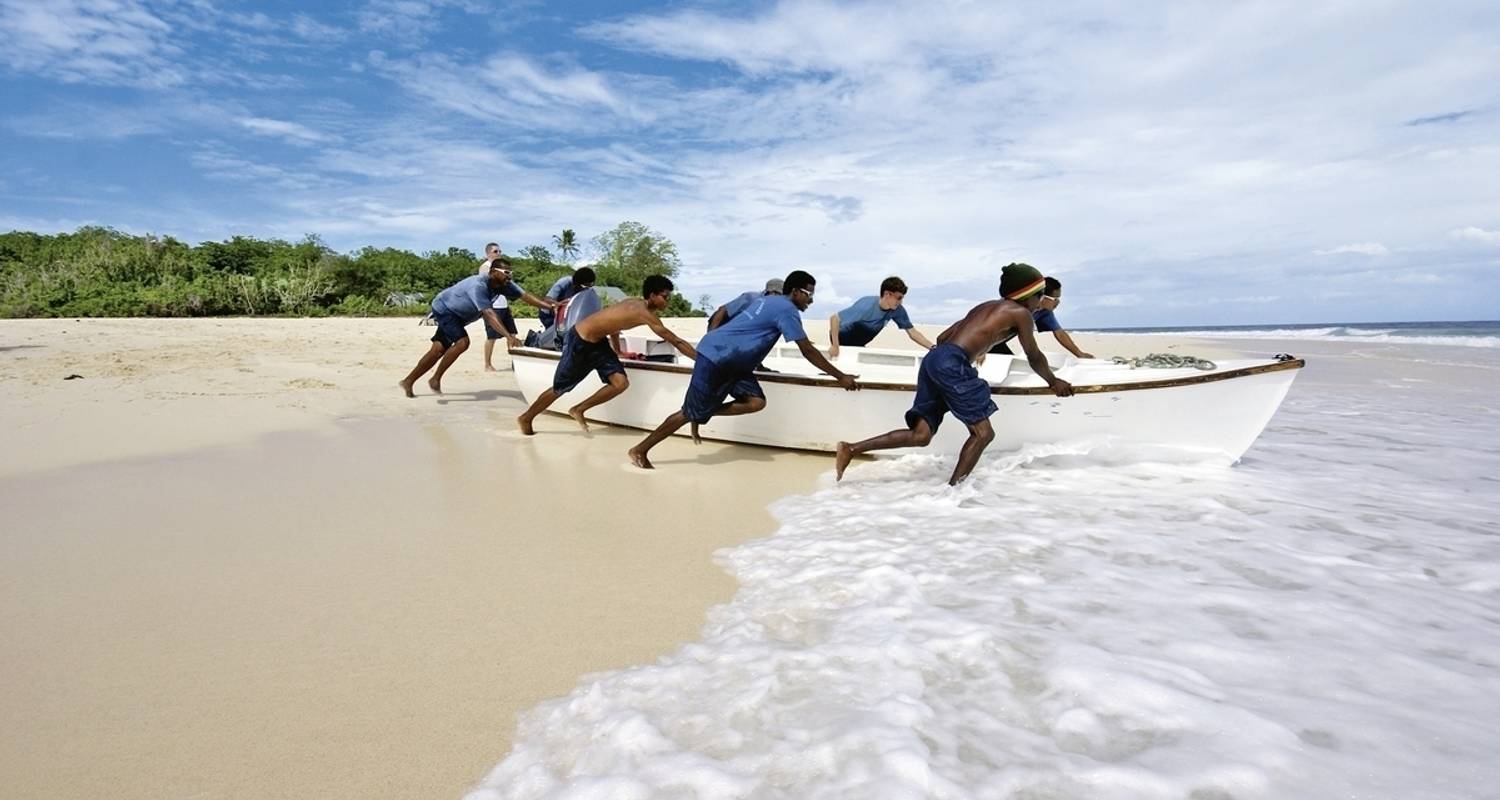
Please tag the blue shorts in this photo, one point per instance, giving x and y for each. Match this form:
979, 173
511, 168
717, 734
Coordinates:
947, 382
579, 357
449, 330
506, 319
711, 384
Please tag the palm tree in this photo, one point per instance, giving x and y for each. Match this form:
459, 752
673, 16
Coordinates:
566, 244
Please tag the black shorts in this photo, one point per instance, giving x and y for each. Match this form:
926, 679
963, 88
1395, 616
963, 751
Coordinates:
712, 384
506, 319
449, 330
948, 384
581, 356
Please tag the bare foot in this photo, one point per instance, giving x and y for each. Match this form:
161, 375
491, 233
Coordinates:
435, 385
577, 414
841, 458
525, 425
696, 438
639, 459
490, 368
406, 387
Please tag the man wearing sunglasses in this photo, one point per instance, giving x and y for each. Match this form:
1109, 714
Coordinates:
728, 356
457, 306
1045, 320
501, 304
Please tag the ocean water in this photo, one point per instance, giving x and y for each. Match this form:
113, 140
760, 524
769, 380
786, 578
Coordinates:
1449, 334
1321, 620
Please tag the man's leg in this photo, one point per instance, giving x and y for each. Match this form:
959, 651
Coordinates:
543, 402
489, 353
917, 435
749, 404
980, 436
668, 427
458, 348
429, 358
617, 385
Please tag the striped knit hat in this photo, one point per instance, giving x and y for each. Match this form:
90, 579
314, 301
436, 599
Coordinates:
1020, 281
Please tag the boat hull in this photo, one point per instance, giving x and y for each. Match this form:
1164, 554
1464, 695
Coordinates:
1214, 414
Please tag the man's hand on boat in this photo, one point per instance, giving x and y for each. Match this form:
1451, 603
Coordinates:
848, 382
1060, 387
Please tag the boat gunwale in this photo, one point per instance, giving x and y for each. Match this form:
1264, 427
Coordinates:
828, 382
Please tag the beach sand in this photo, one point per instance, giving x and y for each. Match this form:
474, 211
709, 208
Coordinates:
237, 562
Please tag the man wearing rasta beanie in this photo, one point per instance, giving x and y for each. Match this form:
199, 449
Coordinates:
948, 383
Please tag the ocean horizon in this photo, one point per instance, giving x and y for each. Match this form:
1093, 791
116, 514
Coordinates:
1461, 333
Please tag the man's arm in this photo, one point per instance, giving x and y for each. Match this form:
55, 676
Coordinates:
1067, 342
493, 320
539, 302
614, 342
917, 337
721, 315
654, 323
816, 359
833, 336
1026, 333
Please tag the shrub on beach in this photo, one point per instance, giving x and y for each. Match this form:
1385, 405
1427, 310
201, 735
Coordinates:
101, 272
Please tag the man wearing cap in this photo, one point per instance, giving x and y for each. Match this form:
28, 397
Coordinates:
457, 306
859, 324
1045, 320
948, 383
731, 309
501, 304
727, 358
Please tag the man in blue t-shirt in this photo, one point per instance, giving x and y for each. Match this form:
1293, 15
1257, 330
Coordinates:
859, 324
1045, 320
728, 356
564, 289
732, 309
457, 306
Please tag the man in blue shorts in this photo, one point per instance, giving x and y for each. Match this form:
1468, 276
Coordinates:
457, 306
501, 304
589, 347
1045, 320
859, 324
564, 289
732, 309
727, 357
948, 383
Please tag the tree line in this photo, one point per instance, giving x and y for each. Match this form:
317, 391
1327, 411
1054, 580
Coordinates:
101, 272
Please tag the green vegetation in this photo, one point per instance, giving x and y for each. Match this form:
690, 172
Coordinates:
99, 272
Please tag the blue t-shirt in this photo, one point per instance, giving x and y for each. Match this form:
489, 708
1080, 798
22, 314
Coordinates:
860, 323
560, 291
1044, 320
468, 298
744, 341
733, 308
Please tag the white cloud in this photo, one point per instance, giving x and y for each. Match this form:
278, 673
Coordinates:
1473, 234
1359, 248
289, 131
111, 42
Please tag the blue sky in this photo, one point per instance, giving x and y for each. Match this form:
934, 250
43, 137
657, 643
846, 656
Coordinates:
1173, 164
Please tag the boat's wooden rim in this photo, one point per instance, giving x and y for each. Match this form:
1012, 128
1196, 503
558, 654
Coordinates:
1092, 388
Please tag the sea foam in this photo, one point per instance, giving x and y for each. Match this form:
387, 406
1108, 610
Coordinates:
1322, 620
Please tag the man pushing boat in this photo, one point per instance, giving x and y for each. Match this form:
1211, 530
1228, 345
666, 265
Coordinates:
947, 381
591, 345
728, 356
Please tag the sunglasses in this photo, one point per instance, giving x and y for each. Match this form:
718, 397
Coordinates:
808, 292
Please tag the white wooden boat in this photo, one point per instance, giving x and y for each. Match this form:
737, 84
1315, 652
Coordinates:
1217, 412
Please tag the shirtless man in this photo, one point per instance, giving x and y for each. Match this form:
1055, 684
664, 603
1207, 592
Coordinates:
591, 345
948, 382
727, 359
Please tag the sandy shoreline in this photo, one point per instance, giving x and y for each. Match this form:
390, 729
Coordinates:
240, 564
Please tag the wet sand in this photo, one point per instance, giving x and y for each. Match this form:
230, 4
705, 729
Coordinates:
237, 563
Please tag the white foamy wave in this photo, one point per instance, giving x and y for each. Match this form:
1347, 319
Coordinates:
1063, 626
1342, 334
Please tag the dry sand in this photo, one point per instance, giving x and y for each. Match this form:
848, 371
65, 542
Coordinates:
237, 562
